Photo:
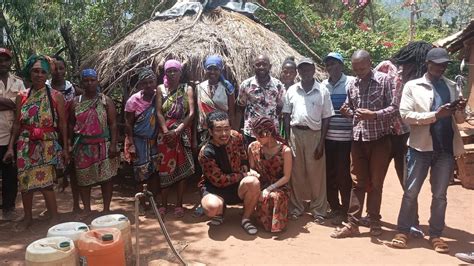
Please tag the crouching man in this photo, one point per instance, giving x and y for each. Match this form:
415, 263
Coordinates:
225, 178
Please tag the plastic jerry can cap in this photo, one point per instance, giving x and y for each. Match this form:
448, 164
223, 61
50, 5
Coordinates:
107, 237
64, 245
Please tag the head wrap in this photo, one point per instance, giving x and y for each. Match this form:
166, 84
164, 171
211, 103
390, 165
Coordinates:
263, 123
172, 63
215, 60
26, 72
88, 73
145, 72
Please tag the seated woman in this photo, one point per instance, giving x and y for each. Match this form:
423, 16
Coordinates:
39, 121
215, 93
142, 129
175, 107
271, 158
93, 129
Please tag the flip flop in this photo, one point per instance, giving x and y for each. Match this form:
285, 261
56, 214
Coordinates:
217, 220
179, 212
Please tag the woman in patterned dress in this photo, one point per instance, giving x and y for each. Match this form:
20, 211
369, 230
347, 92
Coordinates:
215, 93
141, 129
271, 158
39, 118
175, 106
93, 126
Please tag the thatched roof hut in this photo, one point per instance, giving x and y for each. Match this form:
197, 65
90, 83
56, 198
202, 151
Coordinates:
191, 38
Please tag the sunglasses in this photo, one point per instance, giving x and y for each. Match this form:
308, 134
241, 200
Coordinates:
263, 134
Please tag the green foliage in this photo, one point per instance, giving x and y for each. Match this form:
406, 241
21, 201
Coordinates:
345, 30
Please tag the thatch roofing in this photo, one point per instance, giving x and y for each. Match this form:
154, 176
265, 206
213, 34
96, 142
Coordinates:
238, 39
456, 41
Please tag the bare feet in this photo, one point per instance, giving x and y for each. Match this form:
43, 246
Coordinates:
22, 225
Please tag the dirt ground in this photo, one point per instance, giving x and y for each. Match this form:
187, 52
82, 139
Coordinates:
304, 242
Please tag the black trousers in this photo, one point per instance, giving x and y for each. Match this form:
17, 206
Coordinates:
338, 174
9, 182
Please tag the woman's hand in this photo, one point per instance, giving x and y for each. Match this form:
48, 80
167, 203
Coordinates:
253, 173
8, 157
170, 138
66, 157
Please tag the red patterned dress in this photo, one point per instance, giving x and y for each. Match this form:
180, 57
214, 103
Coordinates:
272, 211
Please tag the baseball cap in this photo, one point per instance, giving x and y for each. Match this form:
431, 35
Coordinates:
438, 56
334, 55
5, 51
305, 60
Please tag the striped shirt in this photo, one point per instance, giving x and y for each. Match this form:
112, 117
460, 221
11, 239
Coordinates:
377, 96
340, 128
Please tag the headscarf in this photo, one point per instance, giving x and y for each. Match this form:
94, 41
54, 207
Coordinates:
172, 63
88, 73
263, 123
26, 72
145, 72
215, 60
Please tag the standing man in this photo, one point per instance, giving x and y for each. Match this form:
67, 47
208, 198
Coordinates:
369, 102
338, 141
432, 106
10, 86
307, 109
260, 95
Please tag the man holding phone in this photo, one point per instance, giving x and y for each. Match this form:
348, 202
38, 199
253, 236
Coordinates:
432, 106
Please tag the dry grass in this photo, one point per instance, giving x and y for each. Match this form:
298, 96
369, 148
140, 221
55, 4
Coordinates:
238, 39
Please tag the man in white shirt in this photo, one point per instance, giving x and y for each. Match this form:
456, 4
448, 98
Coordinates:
307, 109
10, 86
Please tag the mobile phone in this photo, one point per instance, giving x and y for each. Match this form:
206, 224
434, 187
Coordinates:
454, 103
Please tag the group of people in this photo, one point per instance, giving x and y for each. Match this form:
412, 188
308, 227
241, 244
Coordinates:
328, 142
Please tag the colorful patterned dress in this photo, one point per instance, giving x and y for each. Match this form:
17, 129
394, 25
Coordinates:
176, 163
145, 131
272, 211
39, 152
92, 142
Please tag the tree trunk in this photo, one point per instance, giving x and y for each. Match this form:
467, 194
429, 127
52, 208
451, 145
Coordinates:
72, 48
16, 52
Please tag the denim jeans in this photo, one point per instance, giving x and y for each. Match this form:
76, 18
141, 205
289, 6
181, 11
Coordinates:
418, 164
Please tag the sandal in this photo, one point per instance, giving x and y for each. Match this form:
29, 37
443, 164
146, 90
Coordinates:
439, 245
375, 229
319, 219
217, 220
179, 212
162, 211
249, 227
399, 240
347, 231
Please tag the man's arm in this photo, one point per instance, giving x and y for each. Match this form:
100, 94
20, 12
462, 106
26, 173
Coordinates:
390, 110
407, 107
214, 174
